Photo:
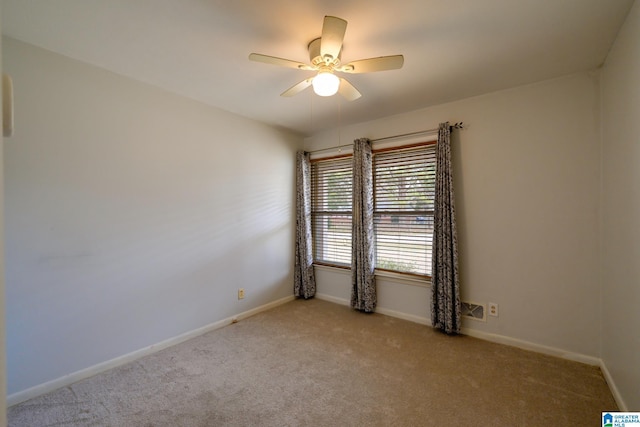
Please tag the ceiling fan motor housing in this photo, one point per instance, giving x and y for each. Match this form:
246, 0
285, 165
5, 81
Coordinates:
316, 57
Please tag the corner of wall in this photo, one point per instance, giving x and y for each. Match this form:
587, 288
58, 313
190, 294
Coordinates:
3, 369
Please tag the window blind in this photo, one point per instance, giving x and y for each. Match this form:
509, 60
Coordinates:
404, 191
331, 198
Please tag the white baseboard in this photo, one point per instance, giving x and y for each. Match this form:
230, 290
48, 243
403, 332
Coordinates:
527, 345
551, 351
614, 389
264, 307
330, 298
385, 311
404, 316
500, 339
513, 342
66, 380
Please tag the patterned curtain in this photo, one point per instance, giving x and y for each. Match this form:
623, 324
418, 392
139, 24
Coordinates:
363, 291
445, 286
304, 279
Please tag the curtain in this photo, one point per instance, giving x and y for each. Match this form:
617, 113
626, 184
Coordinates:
445, 286
363, 291
304, 279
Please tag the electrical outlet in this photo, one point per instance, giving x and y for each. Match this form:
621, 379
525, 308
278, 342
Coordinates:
241, 293
493, 309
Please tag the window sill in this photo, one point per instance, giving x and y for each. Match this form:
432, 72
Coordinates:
405, 279
389, 276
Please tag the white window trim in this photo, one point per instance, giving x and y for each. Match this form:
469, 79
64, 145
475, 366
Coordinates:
402, 278
389, 276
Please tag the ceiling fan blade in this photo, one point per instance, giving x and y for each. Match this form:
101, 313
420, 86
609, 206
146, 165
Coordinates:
370, 65
347, 90
279, 61
333, 30
297, 88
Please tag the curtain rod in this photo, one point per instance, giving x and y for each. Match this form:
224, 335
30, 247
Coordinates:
459, 125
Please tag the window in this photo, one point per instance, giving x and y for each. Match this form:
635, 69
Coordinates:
331, 194
404, 190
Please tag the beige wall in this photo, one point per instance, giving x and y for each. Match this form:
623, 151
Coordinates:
527, 179
126, 225
133, 215
621, 211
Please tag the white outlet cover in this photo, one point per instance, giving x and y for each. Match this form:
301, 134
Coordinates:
493, 309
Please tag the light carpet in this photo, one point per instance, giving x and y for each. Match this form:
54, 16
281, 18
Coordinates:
315, 363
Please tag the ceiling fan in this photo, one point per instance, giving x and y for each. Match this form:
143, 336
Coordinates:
324, 54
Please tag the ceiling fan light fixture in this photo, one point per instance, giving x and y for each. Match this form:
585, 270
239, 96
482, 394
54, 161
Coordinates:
325, 57
325, 83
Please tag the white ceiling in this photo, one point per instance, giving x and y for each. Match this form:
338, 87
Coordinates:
453, 49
